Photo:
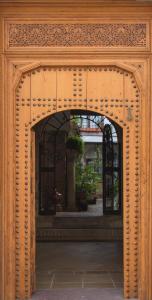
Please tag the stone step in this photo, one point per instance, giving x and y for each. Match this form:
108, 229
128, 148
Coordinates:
96, 209
99, 201
50, 234
88, 222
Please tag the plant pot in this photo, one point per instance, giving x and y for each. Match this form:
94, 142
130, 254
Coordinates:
83, 206
82, 201
75, 144
92, 201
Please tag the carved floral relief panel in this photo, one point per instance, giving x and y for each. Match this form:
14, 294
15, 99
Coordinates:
43, 34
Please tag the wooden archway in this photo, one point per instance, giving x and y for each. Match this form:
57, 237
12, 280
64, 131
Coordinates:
110, 89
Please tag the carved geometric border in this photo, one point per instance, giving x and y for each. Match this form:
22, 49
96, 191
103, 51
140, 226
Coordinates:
44, 35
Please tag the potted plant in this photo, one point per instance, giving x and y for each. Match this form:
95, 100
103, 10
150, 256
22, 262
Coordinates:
86, 184
75, 143
81, 194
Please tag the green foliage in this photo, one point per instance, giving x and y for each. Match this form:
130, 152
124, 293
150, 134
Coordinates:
76, 143
76, 122
97, 162
86, 179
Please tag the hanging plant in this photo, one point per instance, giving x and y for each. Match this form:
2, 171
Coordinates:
75, 143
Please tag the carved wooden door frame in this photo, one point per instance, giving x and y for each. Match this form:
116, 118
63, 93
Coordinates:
14, 228
18, 272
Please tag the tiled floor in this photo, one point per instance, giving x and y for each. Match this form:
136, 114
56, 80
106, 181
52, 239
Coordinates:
73, 271
79, 279
79, 294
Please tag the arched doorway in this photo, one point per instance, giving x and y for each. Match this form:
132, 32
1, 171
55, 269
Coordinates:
79, 182
96, 131
109, 90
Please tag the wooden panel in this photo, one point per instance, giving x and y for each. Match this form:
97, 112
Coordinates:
64, 92
148, 265
72, 94
33, 236
105, 82
45, 77
1, 185
130, 88
22, 193
1, 34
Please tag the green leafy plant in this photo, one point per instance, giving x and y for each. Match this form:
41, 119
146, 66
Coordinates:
86, 179
76, 143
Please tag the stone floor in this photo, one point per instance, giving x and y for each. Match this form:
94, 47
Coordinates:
94, 210
83, 214
79, 294
79, 270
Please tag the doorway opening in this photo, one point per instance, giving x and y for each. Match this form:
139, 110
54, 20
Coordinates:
79, 202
